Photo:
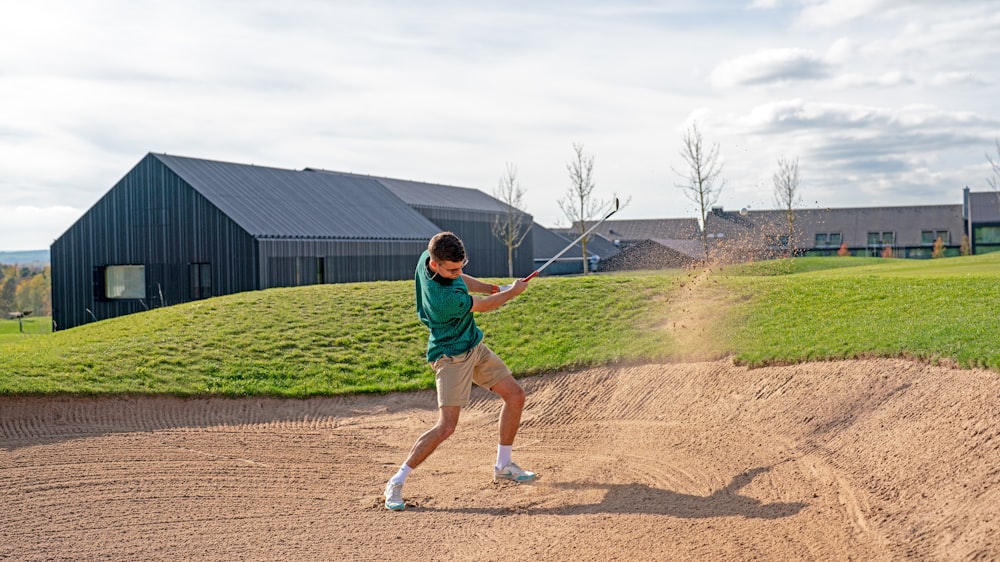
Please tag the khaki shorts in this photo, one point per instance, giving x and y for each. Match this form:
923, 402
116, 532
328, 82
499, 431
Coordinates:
455, 375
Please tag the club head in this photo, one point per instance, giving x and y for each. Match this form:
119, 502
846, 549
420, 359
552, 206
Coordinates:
615, 210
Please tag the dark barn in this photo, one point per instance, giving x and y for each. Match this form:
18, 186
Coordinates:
470, 214
179, 229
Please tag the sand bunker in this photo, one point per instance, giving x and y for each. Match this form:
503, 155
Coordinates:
860, 460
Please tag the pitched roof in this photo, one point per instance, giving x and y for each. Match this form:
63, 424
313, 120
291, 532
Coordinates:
596, 244
601, 246
278, 203
432, 195
985, 206
643, 229
546, 243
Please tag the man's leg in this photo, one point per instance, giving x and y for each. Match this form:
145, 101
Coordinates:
425, 445
510, 421
513, 404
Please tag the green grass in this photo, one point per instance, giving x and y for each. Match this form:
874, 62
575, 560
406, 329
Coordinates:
352, 338
33, 326
329, 339
929, 309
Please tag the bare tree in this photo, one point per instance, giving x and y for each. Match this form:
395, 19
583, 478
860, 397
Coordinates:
994, 181
579, 205
786, 194
702, 173
512, 225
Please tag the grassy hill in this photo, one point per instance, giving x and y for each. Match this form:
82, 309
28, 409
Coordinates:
334, 339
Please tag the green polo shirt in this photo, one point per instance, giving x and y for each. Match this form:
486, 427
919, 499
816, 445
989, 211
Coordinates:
445, 306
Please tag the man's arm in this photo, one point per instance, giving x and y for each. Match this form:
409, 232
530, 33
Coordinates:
495, 300
477, 286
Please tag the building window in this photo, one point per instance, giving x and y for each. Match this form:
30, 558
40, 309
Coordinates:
828, 239
201, 280
881, 238
125, 282
986, 235
929, 237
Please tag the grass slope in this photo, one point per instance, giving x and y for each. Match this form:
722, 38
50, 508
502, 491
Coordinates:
335, 339
330, 339
926, 309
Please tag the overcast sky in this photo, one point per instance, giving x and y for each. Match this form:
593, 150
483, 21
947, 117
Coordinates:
884, 102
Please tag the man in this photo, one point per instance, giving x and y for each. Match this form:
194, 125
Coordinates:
459, 357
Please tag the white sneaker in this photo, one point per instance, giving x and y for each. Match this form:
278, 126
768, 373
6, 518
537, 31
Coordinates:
514, 473
394, 497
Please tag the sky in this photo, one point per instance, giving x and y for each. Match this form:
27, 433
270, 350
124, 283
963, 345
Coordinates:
882, 102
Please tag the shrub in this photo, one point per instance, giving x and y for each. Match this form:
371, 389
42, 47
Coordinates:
938, 251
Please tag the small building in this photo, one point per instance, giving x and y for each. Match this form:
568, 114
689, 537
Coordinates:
982, 213
178, 229
652, 243
549, 242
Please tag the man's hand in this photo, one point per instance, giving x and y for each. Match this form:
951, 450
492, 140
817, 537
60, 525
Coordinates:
518, 286
498, 298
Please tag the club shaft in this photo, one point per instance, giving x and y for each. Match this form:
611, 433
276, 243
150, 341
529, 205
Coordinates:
571, 244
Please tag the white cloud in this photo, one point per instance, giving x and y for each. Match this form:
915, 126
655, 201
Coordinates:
947, 79
449, 92
890, 79
34, 228
908, 155
770, 66
832, 13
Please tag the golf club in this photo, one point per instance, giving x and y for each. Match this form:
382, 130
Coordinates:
571, 244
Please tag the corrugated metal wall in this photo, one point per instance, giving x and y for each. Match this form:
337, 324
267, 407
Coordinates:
487, 255
191, 250
290, 263
151, 218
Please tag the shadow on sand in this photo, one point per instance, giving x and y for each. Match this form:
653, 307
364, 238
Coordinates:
644, 499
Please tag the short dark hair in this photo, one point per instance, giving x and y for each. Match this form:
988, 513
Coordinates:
445, 246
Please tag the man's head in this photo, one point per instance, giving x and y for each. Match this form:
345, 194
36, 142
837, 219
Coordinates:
447, 255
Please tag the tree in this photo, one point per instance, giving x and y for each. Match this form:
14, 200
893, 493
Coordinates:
33, 294
843, 251
703, 171
965, 249
25, 289
511, 225
786, 194
938, 251
8, 289
994, 180
579, 205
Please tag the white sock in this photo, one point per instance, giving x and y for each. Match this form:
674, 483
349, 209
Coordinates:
401, 475
503, 455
